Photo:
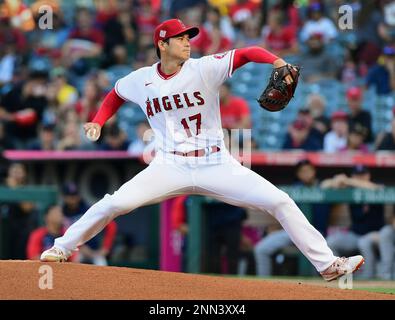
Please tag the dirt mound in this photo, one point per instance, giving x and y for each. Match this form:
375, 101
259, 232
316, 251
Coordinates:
21, 280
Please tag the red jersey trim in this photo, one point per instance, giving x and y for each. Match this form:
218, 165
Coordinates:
230, 72
117, 92
165, 76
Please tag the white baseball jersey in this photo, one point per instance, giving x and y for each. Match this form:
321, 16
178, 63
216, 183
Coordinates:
183, 110
184, 113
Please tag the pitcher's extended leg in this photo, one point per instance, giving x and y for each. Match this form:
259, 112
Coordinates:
240, 186
140, 190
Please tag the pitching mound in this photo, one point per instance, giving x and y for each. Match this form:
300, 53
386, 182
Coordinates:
21, 280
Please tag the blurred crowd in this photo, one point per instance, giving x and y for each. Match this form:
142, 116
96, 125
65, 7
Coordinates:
53, 80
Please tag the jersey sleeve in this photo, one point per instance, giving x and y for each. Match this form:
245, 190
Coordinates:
217, 68
126, 87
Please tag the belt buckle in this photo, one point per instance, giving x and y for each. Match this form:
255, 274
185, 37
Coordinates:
207, 151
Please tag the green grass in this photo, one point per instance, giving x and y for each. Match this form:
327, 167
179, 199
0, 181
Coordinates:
387, 288
378, 289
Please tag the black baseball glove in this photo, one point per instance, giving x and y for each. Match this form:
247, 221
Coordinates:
278, 92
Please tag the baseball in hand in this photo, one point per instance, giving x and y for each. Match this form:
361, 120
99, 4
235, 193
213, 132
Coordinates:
93, 134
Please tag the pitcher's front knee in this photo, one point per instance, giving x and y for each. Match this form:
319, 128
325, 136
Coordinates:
282, 205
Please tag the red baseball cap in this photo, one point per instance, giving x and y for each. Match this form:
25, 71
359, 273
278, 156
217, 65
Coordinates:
339, 115
171, 28
354, 93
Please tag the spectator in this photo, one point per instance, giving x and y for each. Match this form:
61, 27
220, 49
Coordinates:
316, 104
11, 39
278, 38
144, 141
119, 58
42, 238
242, 11
129, 32
201, 43
367, 44
88, 105
97, 250
85, 42
357, 115
107, 10
176, 7
306, 176
22, 107
349, 72
317, 23
73, 205
179, 223
146, 17
71, 137
218, 42
366, 221
46, 140
214, 18
317, 62
66, 94
114, 139
148, 58
21, 216
386, 247
355, 139
8, 61
386, 28
224, 237
382, 75
387, 140
336, 139
305, 116
235, 112
47, 43
5, 143
249, 34
300, 137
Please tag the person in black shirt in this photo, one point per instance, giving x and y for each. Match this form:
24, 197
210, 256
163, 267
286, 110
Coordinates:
357, 116
224, 223
306, 176
366, 221
387, 141
21, 108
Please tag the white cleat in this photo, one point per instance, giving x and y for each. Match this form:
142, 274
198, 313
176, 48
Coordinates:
342, 266
54, 255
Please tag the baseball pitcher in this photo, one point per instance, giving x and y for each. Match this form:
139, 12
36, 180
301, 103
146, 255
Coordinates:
179, 96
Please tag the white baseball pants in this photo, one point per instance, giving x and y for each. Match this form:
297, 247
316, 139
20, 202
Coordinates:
219, 176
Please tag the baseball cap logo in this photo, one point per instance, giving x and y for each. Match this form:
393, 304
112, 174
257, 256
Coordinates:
162, 33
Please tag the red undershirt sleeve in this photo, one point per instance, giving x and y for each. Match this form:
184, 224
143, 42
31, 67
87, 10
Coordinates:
112, 102
109, 235
252, 54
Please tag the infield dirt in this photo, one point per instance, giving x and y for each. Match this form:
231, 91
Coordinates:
21, 280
